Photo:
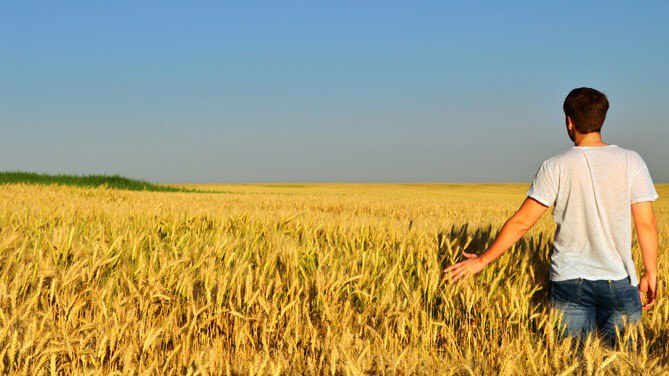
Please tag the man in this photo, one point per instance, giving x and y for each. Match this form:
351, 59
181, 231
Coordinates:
595, 188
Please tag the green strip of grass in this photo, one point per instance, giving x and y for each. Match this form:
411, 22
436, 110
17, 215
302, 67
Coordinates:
111, 181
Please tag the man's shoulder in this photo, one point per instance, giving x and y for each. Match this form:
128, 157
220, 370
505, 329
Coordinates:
628, 152
634, 159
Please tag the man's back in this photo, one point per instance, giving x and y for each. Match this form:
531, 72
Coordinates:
592, 189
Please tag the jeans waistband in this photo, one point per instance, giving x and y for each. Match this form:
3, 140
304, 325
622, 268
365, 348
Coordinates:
616, 282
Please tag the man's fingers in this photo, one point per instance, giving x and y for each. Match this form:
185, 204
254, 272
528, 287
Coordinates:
458, 275
453, 275
454, 267
648, 305
448, 269
469, 255
650, 296
650, 300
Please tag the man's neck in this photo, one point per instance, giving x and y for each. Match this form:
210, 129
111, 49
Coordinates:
589, 139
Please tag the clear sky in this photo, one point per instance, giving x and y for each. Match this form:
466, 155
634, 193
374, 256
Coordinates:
248, 91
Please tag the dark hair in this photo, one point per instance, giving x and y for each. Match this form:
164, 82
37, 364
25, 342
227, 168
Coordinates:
587, 109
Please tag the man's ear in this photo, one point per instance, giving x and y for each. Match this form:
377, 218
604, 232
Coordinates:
569, 122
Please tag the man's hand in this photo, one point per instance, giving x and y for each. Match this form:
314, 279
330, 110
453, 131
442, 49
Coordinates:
514, 229
471, 266
648, 287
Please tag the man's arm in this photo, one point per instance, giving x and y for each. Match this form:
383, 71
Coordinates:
646, 231
514, 229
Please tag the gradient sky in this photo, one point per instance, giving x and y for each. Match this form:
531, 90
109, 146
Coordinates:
249, 91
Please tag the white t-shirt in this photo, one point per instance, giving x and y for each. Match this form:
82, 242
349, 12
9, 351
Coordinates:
593, 189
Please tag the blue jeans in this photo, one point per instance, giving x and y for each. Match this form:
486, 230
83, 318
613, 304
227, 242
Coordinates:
588, 305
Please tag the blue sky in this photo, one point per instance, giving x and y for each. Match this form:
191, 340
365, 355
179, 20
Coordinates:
313, 91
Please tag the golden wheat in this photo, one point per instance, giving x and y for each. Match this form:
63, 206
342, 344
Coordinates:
287, 279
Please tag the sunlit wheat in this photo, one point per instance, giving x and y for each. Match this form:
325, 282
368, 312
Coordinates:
287, 279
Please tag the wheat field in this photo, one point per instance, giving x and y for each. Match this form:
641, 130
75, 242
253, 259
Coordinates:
288, 279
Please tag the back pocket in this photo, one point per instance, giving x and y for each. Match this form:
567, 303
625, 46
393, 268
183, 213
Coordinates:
627, 298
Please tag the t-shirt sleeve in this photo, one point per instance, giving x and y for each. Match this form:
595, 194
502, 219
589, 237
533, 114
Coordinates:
545, 184
642, 188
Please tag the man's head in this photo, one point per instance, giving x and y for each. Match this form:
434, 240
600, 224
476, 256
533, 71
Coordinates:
586, 109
